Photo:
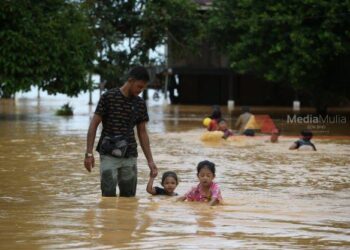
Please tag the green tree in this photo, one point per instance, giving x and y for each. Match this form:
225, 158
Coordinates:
126, 31
294, 42
44, 43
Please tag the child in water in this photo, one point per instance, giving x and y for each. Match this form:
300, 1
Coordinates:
206, 190
304, 142
215, 118
275, 133
224, 128
169, 182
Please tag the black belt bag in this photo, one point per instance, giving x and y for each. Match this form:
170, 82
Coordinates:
116, 146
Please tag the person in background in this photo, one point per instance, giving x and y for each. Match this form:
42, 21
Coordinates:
304, 143
242, 121
223, 127
275, 133
215, 118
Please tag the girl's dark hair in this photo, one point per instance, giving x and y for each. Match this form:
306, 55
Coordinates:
169, 174
210, 165
307, 134
139, 73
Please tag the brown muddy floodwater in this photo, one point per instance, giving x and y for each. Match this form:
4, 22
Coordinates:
274, 198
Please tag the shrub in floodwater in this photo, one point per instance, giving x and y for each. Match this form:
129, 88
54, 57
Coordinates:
65, 110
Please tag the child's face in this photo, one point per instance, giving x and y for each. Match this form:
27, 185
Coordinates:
169, 184
222, 126
205, 177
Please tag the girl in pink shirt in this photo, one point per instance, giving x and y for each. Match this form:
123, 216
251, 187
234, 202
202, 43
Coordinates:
206, 190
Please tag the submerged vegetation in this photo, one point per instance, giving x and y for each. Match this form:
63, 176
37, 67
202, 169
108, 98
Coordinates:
65, 110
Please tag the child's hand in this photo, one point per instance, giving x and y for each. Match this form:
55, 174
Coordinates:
181, 198
213, 202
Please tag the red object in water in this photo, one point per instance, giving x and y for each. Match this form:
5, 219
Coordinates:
265, 123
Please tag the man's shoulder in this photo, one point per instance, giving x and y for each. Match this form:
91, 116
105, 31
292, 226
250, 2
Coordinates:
140, 103
110, 92
113, 95
139, 99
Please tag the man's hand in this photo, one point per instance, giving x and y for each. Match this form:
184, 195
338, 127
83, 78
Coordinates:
89, 163
153, 168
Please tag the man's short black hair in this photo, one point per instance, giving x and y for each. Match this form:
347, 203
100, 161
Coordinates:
139, 73
210, 165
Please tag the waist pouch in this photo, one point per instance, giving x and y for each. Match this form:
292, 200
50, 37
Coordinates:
116, 146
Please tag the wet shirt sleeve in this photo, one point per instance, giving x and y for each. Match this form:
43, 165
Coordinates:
160, 191
142, 111
101, 106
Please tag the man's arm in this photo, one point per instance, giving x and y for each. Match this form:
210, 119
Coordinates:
89, 161
144, 141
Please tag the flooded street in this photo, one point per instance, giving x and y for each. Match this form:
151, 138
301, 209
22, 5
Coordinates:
274, 198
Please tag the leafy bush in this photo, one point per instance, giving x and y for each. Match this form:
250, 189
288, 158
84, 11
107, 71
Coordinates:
65, 110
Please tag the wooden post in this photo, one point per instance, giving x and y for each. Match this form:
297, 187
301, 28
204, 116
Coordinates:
90, 89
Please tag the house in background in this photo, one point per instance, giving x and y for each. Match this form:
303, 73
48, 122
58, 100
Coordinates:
206, 78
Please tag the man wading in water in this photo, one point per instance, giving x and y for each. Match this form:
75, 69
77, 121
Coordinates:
119, 110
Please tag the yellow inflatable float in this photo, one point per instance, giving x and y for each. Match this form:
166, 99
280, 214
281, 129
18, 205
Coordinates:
212, 136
